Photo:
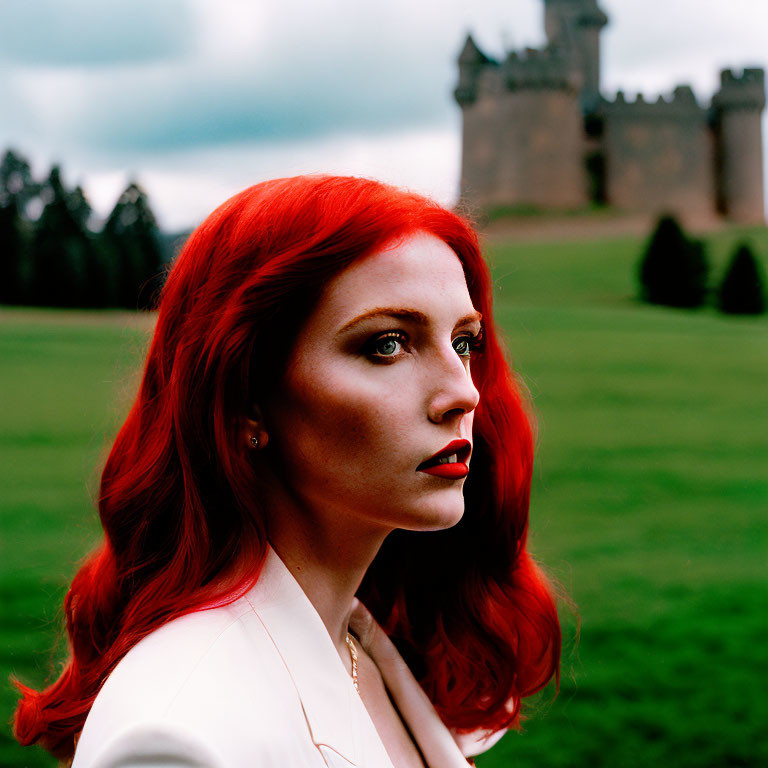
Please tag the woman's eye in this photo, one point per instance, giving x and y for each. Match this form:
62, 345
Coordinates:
461, 345
465, 344
386, 346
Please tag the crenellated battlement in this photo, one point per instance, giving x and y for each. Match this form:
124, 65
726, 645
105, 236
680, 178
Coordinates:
744, 91
529, 69
682, 104
748, 76
534, 69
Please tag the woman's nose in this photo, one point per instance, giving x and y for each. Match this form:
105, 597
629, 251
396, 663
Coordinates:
454, 393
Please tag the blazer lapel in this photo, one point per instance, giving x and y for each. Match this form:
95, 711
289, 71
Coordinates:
336, 716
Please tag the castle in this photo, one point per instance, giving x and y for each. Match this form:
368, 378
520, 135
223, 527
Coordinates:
538, 133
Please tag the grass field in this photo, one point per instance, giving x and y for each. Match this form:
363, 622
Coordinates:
650, 501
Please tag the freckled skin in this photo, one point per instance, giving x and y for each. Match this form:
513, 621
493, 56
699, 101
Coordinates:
347, 431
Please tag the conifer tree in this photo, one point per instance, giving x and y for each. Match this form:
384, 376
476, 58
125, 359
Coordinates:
99, 285
673, 270
742, 290
60, 250
11, 254
130, 238
17, 190
16, 182
79, 207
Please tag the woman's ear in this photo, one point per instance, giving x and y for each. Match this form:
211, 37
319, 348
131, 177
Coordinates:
255, 434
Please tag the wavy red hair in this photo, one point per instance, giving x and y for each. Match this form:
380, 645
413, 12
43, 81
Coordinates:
179, 503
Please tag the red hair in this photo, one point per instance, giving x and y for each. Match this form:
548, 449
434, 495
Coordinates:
179, 501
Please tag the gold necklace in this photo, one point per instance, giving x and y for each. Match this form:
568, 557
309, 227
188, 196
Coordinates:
353, 654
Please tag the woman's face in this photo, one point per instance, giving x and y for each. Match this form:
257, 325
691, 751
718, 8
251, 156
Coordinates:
378, 382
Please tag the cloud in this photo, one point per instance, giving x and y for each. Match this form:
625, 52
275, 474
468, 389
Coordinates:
184, 187
107, 87
157, 114
287, 73
83, 33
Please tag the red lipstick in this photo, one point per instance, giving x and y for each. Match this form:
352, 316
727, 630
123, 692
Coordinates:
450, 462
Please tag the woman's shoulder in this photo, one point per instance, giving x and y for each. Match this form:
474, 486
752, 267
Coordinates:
206, 673
155, 670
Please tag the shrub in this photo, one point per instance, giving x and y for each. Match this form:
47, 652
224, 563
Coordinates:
742, 290
673, 270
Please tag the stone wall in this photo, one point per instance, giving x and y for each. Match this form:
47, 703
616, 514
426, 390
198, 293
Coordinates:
540, 162
659, 156
523, 136
741, 158
483, 137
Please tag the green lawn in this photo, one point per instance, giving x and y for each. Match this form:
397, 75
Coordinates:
650, 501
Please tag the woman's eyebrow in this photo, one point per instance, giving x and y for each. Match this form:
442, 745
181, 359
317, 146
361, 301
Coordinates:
412, 315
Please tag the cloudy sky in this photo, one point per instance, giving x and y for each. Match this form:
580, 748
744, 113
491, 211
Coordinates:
199, 98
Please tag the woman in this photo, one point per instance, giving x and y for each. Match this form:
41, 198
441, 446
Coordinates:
302, 435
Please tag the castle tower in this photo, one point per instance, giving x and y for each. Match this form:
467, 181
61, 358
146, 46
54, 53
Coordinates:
523, 141
737, 108
575, 26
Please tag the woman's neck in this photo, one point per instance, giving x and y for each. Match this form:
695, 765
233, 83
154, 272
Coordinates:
327, 559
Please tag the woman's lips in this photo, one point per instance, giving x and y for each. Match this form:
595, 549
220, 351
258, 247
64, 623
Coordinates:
450, 462
453, 471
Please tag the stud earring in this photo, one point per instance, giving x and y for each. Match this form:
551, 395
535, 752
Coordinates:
255, 442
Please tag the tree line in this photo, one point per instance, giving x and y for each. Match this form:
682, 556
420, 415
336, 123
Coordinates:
51, 254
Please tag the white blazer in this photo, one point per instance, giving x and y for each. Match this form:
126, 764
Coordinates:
256, 683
